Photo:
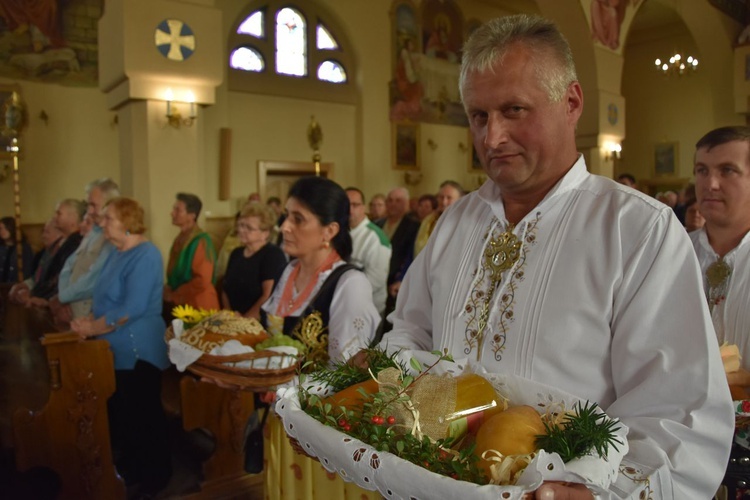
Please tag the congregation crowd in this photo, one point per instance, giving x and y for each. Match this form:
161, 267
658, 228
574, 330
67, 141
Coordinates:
545, 271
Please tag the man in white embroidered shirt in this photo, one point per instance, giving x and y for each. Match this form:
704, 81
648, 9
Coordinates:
569, 279
371, 249
722, 186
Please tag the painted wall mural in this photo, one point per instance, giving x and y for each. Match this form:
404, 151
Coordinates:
427, 56
50, 40
606, 17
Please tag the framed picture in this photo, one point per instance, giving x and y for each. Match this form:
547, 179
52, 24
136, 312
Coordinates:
474, 165
5, 92
665, 159
405, 145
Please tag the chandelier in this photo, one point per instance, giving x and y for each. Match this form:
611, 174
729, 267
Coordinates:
677, 66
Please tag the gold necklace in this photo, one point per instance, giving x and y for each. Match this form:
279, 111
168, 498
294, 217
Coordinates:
500, 254
717, 277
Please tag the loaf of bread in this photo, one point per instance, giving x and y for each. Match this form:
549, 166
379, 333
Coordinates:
221, 327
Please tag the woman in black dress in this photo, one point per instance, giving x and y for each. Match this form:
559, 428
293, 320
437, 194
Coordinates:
253, 268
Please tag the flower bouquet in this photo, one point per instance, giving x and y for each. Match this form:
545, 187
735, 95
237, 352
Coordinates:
228, 347
393, 431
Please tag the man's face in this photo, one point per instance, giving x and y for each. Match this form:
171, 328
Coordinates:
396, 204
66, 219
722, 184
446, 197
180, 215
377, 208
95, 205
356, 208
519, 134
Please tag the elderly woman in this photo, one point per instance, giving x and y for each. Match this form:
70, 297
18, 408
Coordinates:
9, 255
126, 312
255, 267
318, 281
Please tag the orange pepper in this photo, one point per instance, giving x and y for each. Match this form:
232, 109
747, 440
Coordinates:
351, 398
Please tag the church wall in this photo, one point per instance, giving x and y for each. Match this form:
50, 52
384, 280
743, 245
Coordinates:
664, 109
77, 145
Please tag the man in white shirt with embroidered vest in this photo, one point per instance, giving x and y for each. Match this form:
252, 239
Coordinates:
569, 279
371, 248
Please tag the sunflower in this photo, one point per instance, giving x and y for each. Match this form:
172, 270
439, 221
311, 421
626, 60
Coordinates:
186, 313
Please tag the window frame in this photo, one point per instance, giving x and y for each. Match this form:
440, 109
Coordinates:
269, 82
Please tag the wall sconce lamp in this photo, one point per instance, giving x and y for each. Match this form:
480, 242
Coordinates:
613, 150
432, 144
174, 118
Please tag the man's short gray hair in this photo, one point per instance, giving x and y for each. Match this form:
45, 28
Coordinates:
77, 206
490, 42
400, 189
107, 186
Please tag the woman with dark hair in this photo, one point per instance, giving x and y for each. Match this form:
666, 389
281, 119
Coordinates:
319, 287
9, 252
126, 312
318, 279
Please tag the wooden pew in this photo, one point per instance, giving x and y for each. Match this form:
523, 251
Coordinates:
224, 413
70, 435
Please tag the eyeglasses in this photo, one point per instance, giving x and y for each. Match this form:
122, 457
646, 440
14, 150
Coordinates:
248, 227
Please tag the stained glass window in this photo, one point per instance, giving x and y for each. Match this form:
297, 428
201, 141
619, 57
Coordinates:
290, 49
325, 39
247, 59
291, 43
253, 25
331, 71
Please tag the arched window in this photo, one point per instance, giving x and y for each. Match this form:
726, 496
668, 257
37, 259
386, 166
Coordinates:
288, 49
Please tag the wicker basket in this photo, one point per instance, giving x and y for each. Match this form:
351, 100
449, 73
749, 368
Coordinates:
260, 376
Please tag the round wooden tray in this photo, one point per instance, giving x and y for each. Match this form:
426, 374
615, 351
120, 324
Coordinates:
258, 377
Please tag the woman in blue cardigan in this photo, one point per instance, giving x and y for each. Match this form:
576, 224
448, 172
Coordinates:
127, 313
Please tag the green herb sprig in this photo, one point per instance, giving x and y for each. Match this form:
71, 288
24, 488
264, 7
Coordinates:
582, 432
342, 374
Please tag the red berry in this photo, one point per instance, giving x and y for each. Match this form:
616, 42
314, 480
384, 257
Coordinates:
342, 422
347, 427
391, 420
454, 475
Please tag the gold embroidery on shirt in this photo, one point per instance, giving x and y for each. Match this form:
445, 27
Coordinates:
717, 277
637, 476
500, 255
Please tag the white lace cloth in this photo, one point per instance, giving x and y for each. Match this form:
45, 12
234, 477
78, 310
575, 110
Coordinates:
396, 478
